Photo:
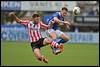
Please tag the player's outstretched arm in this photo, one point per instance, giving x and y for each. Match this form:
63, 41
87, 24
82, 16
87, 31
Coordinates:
44, 25
13, 14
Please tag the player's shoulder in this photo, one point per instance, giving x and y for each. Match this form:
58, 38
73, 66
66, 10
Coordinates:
56, 13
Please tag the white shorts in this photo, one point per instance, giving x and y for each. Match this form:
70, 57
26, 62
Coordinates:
58, 32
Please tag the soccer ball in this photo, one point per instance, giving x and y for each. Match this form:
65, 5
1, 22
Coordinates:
76, 11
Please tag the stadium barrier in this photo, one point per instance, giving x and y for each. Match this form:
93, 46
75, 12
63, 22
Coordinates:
19, 33
86, 19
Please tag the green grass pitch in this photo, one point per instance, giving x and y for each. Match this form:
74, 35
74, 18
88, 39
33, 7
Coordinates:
75, 54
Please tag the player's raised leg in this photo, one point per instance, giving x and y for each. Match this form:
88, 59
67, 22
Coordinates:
65, 37
61, 39
53, 43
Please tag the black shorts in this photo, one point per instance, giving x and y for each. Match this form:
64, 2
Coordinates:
37, 44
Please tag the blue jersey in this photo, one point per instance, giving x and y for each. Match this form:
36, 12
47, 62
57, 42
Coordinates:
58, 15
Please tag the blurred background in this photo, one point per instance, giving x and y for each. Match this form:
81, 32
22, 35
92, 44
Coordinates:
85, 29
86, 21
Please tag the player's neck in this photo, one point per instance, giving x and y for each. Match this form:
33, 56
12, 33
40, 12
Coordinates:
35, 22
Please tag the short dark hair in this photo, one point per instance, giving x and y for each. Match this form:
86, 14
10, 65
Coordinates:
35, 15
64, 8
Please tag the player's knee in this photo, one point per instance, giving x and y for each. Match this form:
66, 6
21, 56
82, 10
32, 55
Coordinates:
67, 38
48, 40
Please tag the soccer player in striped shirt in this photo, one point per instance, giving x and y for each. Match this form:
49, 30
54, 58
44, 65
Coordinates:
36, 40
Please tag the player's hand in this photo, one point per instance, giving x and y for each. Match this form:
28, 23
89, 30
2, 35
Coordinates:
11, 13
48, 27
51, 24
60, 23
66, 22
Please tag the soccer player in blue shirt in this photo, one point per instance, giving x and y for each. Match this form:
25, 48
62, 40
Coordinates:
55, 20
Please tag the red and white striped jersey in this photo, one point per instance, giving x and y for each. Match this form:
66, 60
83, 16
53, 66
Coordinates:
34, 29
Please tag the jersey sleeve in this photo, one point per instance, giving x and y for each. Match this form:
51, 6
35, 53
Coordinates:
55, 15
24, 22
42, 25
52, 17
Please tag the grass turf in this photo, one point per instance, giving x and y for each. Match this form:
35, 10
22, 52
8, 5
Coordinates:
75, 54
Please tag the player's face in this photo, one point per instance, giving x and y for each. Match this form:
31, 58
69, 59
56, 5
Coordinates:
36, 20
63, 13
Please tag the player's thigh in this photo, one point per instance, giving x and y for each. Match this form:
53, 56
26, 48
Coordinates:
65, 37
47, 41
52, 33
62, 35
59, 33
